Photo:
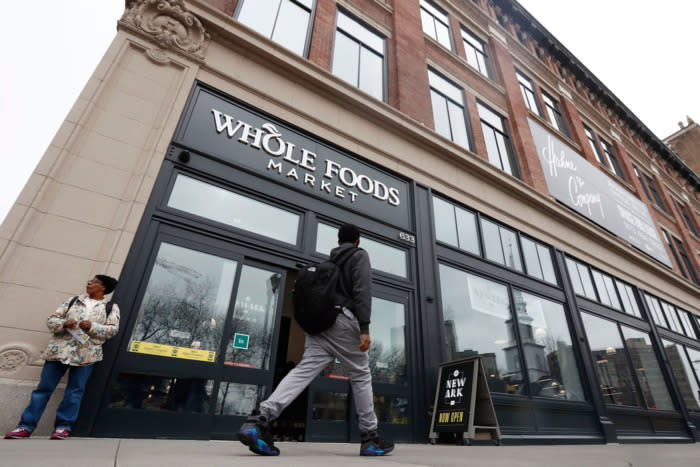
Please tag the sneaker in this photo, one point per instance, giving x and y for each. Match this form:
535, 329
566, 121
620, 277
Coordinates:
18, 433
60, 433
374, 445
255, 434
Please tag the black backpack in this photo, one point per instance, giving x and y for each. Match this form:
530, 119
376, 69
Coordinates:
108, 306
320, 293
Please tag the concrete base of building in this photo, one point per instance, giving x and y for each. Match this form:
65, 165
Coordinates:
14, 397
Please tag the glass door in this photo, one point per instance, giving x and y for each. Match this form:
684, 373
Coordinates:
199, 345
331, 410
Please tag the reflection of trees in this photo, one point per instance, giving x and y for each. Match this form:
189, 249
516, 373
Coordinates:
392, 368
179, 312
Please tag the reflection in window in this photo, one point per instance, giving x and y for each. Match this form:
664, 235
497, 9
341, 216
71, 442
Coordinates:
387, 355
161, 393
478, 322
183, 310
548, 349
358, 56
616, 382
284, 21
391, 409
682, 368
329, 406
647, 369
382, 257
501, 245
238, 399
455, 226
211, 202
250, 344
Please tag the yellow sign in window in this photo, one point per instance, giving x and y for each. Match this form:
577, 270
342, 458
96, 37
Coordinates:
172, 351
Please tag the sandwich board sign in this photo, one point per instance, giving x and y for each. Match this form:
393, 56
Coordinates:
463, 402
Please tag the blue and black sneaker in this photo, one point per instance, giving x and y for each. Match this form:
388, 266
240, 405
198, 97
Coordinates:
255, 434
374, 445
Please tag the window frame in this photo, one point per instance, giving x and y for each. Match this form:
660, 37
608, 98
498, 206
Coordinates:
309, 27
505, 133
554, 114
686, 217
482, 53
527, 90
425, 7
613, 161
363, 45
448, 99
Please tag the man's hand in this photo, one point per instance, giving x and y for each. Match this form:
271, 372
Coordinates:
85, 325
69, 324
365, 342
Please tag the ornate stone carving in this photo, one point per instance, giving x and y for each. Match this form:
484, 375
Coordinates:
169, 24
12, 359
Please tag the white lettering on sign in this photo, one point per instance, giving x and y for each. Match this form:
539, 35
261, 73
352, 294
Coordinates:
454, 387
342, 182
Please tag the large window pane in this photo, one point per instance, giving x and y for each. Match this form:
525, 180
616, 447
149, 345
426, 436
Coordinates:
467, 230
458, 125
387, 355
162, 393
532, 261
671, 317
685, 319
183, 310
616, 382
445, 226
647, 368
548, 349
238, 399
478, 322
371, 73
288, 31
250, 344
682, 369
440, 114
346, 59
259, 15
211, 202
492, 241
382, 257
655, 310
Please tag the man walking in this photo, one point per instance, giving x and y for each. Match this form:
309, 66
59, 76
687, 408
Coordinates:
80, 326
348, 339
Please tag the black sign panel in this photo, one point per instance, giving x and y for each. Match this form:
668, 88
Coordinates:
224, 129
584, 188
454, 396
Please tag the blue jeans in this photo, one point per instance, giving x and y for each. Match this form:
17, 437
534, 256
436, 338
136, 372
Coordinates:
70, 405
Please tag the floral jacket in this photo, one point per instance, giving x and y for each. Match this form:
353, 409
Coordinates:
64, 348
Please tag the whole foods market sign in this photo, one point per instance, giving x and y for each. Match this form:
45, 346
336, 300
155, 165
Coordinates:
221, 128
584, 188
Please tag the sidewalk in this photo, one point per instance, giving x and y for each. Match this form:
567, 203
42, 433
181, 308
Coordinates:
98, 452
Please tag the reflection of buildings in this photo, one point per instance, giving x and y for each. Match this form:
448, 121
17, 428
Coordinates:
676, 360
651, 379
533, 352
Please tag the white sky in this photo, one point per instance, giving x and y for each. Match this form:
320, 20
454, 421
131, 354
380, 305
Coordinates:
644, 51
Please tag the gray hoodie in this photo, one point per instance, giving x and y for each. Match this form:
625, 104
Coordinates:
358, 270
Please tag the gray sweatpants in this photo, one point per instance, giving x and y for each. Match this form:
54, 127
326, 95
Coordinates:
339, 341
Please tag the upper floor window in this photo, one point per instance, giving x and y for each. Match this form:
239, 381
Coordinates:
477, 54
594, 145
497, 140
448, 109
612, 159
436, 23
554, 114
681, 256
650, 189
686, 218
528, 90
358, 56
286, 22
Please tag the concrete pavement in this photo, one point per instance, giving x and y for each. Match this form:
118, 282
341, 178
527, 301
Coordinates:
110, 452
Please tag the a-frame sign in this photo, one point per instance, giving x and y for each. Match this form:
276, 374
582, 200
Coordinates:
463, 402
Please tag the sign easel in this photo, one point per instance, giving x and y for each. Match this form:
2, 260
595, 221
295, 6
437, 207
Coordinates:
463, 403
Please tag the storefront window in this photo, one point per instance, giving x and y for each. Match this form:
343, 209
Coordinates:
161, 393
647, 369
391, 409
478, 322
250, 344
329, 406
548, 349
606, 289
629, 302
238, 399
387, 355
538, 260
382, 257
655, 310
455, 226
580, 279
616, 382
183, 310
224, 206
682, 369
501, 245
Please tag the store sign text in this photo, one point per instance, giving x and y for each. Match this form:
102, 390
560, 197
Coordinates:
302, 165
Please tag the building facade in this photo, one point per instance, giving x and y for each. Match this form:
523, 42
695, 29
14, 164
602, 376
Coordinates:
512, 206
